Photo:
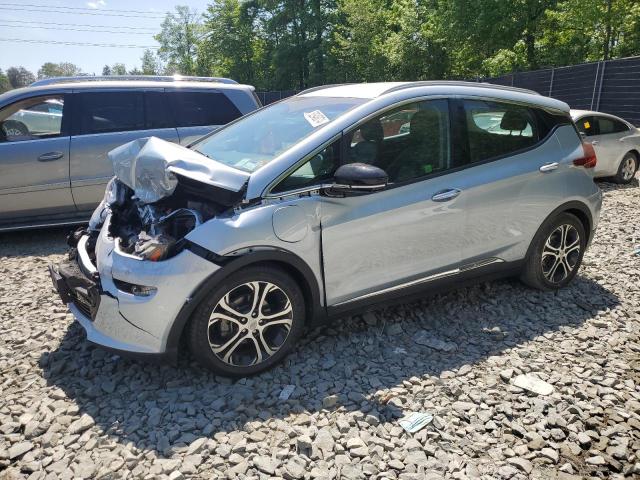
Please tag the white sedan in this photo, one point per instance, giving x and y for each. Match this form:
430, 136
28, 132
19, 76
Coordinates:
616, 142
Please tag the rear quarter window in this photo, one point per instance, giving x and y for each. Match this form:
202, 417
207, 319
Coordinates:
609, 125
194, 109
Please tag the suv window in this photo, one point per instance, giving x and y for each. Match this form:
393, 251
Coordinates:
195, 109
33, 118
495, 129
101, 112
407, 142
155, 110
608, 125
588, 126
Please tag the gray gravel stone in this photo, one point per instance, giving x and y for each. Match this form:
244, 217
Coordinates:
71, 410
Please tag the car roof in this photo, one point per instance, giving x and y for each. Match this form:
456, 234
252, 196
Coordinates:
122, 84
371, 91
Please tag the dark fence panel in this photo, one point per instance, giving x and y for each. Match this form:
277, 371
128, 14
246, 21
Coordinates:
611, 87
269, 97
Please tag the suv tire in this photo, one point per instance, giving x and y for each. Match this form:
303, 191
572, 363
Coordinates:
556, 253
248, 323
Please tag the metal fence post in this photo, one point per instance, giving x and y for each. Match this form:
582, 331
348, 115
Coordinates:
600, 88
551, 81
595, 83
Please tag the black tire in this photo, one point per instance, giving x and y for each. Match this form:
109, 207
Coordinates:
624, 174
203, 336
538, 267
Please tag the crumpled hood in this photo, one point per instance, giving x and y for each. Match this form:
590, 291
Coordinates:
151, 167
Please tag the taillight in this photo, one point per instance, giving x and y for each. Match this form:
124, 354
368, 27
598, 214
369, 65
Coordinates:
589, 159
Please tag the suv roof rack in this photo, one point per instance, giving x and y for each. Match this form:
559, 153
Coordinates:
148, 78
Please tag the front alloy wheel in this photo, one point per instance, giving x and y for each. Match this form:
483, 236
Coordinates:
249, 322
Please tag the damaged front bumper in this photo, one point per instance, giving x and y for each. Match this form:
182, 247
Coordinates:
123, 302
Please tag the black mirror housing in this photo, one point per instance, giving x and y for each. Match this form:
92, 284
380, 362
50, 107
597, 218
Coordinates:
359, 177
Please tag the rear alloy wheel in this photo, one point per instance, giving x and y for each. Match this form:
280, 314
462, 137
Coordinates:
627, 169
556, 253
249, 323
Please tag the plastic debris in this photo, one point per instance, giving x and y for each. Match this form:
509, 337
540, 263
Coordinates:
286, 392
533, 384
415, 421
637, 251
399, 351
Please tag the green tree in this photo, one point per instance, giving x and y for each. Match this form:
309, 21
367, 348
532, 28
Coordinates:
62, 69
106, 70
20, 77
4, 82
179, 36
150, 63
231, 45
118, 69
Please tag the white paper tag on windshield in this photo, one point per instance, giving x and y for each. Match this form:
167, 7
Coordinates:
316, 118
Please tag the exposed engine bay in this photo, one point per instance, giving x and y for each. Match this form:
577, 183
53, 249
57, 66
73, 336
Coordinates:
160, 193
153, 231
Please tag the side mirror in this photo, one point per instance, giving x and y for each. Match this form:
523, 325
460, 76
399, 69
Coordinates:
357, 178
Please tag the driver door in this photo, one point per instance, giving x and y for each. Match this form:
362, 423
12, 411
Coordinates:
34, 159
407, 234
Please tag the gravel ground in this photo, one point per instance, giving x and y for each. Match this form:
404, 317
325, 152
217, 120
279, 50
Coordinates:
70, 410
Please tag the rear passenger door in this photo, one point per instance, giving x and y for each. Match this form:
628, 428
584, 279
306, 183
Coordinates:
505, 194
198, 112
104, 120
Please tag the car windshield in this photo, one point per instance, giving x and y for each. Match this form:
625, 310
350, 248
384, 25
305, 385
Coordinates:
254, 141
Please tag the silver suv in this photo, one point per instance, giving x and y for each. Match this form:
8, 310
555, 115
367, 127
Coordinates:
55, 135
337, 199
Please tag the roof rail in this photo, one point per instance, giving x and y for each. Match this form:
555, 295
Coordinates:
457, 83
148, 78
321, 87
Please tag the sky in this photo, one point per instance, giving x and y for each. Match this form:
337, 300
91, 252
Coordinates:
135, 23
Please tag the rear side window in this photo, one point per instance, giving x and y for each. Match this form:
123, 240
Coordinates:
587, 126
609, 125
194, 109
102, 112
495, 129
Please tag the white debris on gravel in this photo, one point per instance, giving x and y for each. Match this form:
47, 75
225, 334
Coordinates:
71, 410
533, 384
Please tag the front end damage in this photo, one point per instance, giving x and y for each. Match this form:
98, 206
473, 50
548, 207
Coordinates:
131, 271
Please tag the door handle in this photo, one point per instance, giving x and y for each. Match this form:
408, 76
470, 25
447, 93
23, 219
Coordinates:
548, 167
594, 142
446, 195
47, 157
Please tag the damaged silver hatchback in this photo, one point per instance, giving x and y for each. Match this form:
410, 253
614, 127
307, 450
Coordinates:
338, 199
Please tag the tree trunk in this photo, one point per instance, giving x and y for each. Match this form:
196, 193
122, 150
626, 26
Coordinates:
607, 39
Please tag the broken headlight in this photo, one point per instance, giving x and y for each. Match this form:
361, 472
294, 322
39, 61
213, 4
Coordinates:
115, 193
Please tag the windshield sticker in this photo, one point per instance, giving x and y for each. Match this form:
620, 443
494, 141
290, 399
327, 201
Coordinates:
316, 118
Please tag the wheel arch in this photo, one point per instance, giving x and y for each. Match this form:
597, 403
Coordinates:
636, 153
576, 208
283, 259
